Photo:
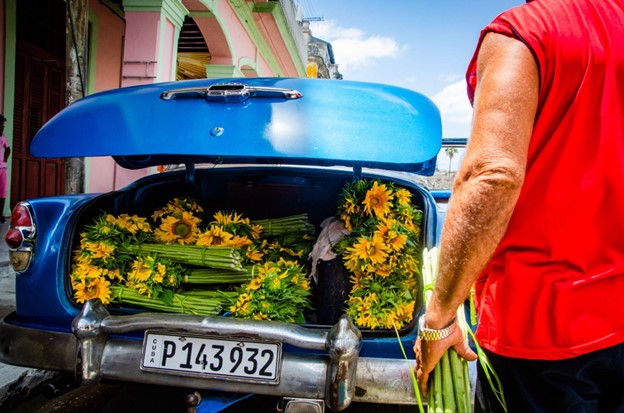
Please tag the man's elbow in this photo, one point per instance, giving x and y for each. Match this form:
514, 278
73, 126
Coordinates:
507, 177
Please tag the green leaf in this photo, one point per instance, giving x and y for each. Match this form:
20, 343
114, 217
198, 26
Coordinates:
167, 296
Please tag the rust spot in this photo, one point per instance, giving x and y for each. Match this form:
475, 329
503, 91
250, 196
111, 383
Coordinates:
360, 391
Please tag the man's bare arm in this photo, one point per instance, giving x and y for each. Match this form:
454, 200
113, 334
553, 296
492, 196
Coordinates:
486, 188
489, 181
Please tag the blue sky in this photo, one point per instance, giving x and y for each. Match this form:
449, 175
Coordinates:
416, 44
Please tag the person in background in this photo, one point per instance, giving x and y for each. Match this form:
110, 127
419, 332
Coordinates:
535, 221
4, 175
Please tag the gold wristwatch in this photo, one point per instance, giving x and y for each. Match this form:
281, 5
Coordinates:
431, 334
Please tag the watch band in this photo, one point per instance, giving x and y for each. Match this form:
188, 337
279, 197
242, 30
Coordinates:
431, 334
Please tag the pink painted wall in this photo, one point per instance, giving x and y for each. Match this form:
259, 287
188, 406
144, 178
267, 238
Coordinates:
109, 47
241, 43
142, 41
103, 174
169, 53
141, 46
111, 27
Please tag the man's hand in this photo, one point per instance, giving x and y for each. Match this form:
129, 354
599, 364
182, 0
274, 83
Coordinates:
429, 353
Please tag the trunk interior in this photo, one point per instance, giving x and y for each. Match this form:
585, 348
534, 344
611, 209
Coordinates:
256, 193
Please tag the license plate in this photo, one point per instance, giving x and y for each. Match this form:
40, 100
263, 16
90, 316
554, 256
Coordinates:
253, 361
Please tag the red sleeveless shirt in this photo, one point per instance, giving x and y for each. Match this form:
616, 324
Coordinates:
554, 287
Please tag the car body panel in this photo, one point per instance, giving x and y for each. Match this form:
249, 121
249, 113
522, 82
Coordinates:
302, 149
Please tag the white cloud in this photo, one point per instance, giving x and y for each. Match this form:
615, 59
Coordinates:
455, 109
450, 77
353, 48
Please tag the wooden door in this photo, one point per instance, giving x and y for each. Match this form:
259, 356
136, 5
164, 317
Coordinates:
39, 95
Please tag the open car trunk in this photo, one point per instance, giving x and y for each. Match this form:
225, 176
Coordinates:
260, 193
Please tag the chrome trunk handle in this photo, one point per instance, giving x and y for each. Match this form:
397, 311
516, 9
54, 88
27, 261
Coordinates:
232, 92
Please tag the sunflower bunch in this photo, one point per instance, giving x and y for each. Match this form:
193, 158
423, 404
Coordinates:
89, 281
277, 291
98, 262
380, 252
100, 242
154, 276
260, 240
177, 222
379, 302
290, 247
229, 229
130, 260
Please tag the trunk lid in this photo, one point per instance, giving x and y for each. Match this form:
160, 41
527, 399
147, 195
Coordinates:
256, 120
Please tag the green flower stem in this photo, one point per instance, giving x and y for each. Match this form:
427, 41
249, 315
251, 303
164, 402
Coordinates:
490, 374
217, 276
448, 392
214, 257
180, 304
421, 408
284, 225
229, 295
435, 390
462, 390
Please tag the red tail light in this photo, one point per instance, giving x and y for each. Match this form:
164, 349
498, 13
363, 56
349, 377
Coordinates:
20, 217
13, 238
21, 237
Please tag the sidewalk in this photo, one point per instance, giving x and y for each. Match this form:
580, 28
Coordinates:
13, 380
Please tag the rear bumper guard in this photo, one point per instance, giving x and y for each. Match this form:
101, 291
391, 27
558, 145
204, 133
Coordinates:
334, 372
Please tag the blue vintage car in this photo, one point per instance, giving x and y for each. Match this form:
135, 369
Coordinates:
263, 147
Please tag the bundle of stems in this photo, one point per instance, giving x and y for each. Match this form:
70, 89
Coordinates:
181, 303
202, 256
218, 276
225, 296
449, 389
285, 225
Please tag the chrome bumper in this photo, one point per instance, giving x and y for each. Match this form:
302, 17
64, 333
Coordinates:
338, 375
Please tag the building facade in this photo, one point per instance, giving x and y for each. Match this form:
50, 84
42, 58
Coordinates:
129, 42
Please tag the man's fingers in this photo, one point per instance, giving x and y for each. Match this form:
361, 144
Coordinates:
422, 378
464, 351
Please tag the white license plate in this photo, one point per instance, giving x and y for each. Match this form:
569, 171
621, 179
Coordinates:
254, 361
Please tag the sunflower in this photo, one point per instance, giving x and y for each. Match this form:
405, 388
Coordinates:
378, 200
403, 196
372, 250
278, 291
238, 241
113, 275
85, 271
253, 253
92, 289
349, 205
221, 218
215, 236
182, 230
134, 223
255, 283
177, 207
396, 241
141, 269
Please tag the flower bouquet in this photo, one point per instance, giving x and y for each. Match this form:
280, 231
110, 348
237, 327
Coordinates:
380, 252
182, 261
